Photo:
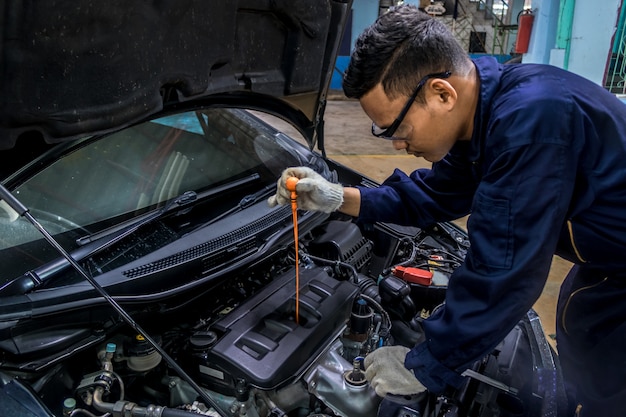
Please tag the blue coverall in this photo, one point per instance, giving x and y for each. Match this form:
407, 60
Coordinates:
544, 173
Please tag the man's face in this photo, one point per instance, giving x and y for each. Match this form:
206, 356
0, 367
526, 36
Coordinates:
427, 130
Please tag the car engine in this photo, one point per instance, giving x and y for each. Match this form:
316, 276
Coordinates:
243, 342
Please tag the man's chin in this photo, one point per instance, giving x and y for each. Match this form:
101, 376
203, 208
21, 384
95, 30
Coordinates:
429, 158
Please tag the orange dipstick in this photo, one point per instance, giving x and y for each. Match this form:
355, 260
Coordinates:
290, 184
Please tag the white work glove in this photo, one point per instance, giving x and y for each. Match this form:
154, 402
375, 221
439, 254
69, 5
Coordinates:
313, 191
384, 369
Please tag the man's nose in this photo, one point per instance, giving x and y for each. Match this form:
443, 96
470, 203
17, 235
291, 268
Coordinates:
399, 144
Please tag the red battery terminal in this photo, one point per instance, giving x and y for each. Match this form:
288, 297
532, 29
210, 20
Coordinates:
414, 275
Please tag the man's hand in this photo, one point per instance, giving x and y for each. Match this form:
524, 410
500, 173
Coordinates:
384, 369
313, 191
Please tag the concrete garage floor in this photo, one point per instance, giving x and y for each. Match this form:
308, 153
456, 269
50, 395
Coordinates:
349, 142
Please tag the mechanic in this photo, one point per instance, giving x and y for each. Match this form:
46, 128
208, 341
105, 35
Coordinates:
537, 155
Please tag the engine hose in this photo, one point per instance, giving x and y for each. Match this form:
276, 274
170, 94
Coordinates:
133, 409
78, 411
351, 268
174, 412
379, 308
368, 287
414, 251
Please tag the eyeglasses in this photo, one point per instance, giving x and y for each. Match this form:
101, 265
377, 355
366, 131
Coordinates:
388, 133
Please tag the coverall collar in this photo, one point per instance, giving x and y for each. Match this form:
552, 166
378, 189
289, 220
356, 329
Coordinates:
489, 72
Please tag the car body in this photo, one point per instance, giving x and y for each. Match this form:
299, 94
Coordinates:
149, 275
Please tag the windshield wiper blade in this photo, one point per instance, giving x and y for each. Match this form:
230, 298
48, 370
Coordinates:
32, 280
244, 203
182, 200
250, 199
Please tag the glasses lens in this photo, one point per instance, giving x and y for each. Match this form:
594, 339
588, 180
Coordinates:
385, 133
377, 131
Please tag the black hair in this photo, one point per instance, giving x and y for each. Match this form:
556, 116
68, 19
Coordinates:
398, 49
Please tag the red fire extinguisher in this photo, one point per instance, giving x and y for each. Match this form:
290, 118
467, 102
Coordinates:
525, 26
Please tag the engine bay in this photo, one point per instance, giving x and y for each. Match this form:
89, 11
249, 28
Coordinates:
361, 287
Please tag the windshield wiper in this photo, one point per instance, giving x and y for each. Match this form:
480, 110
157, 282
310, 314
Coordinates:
184, 199
244, 203
32, 279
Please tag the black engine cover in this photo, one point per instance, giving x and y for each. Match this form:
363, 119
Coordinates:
260, 342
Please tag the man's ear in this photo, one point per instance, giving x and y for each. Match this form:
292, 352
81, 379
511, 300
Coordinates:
442, 92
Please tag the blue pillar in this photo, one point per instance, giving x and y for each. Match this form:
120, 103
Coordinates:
543, 36
593, 28
587, 47
364, 13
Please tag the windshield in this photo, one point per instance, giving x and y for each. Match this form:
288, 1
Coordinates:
103, 182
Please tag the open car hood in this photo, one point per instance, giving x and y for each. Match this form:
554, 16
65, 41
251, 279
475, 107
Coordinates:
73, 68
